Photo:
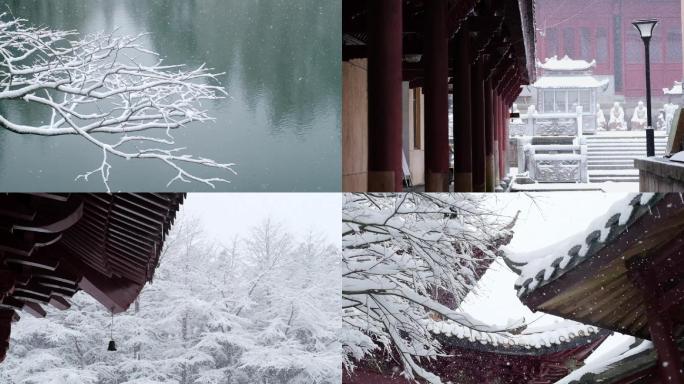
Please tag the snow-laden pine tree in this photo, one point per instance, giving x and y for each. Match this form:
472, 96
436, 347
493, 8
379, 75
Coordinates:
263, 309
407, 257
103, 83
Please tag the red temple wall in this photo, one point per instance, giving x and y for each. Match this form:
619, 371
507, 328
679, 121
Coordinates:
602, 30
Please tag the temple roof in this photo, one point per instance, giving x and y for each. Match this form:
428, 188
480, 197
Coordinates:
538, 268
594, 276
565, 64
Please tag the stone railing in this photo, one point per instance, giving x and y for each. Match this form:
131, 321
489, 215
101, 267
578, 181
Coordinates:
548, 124
559, 163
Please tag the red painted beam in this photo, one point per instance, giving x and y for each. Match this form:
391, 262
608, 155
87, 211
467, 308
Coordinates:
385, 96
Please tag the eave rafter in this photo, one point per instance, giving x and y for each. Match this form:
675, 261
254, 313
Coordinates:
52, 246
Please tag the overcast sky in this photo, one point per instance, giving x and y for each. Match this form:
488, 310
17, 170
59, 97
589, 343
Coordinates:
226, 214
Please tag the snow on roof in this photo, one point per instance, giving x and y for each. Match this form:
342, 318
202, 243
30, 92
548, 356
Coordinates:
675, 90
530, 338
622, 350
537, 268
565, 64
577, 81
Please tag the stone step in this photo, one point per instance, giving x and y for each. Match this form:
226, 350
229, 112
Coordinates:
619, 172
615, 179
625, 143
621, 149
625, 154
610, 157
623, 162
641, 136
609, 167
599, 151
614, 138
626, 134
617, 156
616, 142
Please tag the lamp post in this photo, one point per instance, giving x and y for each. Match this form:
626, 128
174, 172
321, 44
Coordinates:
645, 28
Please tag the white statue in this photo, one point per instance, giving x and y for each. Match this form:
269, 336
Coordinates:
617, 118
660, 121
600, 118
531, 110
670, 110
639, 119
516, 120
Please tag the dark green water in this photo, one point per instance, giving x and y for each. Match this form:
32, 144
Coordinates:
281, 123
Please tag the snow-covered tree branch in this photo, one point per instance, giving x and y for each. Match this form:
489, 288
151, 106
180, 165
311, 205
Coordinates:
103, 83
407, 257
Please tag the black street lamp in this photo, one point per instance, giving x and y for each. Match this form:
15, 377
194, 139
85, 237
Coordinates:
645, 28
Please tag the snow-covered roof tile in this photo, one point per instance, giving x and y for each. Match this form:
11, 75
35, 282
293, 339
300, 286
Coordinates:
565, 64
562, 332
576, 81
539, 267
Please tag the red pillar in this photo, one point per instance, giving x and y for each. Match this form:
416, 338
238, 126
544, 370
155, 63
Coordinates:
497, 134
436, 90
478, 110
489, 136
463, 138
384, 96
503, 136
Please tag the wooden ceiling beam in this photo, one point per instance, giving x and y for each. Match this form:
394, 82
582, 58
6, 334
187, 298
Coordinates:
53, 219
42, 262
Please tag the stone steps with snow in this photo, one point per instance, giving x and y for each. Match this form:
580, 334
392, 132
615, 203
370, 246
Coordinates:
607, 167
610, 156
612, 146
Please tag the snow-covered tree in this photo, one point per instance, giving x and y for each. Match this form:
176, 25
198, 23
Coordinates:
262, 309
407, 257
103, 83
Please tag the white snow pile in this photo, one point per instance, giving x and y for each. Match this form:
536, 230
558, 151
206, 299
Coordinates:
675, 90
558, 256
531, 337
607, 360
565, 64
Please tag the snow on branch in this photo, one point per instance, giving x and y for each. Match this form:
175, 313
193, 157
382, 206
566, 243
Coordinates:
104, 83
406, 258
